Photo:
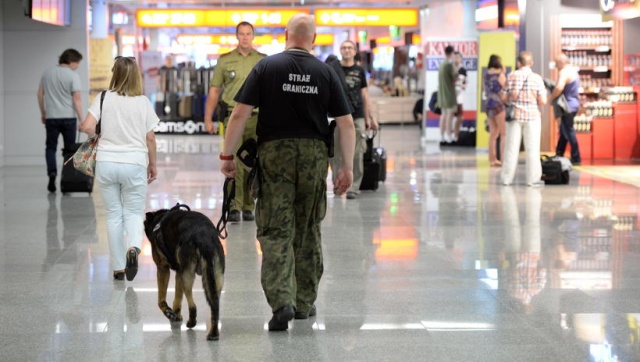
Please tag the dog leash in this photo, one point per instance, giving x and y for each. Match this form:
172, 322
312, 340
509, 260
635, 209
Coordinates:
229, 193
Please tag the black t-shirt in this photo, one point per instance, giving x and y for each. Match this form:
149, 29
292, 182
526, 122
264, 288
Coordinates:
295, 92
356, 80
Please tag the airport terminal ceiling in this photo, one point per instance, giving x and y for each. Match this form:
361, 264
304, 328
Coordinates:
274, 3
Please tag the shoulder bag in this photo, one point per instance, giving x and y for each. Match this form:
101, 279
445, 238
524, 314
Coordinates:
510, 110
84, 160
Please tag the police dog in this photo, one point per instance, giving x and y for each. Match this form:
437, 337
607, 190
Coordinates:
187, 242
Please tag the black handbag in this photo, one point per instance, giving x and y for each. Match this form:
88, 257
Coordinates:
509, 113
552, 172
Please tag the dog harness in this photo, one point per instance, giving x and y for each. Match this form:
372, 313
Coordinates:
158, 235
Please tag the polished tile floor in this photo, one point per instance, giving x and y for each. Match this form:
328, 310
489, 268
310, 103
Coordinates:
440, 264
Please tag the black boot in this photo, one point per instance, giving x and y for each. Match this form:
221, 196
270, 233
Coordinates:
281, 318
52, 182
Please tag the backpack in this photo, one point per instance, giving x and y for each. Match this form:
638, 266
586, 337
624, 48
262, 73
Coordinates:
433, 103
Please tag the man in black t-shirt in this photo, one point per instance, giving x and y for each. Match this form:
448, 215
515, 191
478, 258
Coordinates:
295, 92
356, 84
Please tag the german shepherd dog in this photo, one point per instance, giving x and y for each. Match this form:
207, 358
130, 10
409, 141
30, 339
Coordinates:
186, 241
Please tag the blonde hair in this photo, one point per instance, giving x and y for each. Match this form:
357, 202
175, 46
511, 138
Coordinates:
126, 79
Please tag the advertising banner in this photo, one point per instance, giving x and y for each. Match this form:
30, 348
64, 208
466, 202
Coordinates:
433, 55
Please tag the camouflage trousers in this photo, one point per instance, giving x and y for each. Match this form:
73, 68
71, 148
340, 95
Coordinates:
243, 200
289, 212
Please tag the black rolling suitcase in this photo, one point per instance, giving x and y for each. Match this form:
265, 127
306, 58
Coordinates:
372, 167
383, 162
381, 154
73, 180
371, 174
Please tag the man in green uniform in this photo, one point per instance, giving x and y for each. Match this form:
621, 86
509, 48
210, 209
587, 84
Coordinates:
295, 93
230, 73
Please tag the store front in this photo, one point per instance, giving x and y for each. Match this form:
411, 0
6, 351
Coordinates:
179, 48
608, 122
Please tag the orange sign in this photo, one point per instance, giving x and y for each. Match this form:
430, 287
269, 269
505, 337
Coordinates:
366, 17
163, 18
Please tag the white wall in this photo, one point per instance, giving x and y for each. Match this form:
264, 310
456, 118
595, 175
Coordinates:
29, 47
1, 89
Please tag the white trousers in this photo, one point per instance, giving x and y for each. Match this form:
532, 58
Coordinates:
521, 238
529, 132
123, 187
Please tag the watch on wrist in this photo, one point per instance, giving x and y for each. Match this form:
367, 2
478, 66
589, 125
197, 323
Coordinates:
226, 157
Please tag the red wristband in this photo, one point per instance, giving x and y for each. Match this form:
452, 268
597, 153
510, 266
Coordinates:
226, 158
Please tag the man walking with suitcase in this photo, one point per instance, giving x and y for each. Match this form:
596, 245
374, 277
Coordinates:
60, 102
356, 83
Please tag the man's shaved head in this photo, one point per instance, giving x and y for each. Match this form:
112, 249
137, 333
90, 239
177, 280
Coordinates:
300, 31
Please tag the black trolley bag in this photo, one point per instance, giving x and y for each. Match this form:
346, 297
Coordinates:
372, 167
382, 155
552, 171
383, 161
73, 180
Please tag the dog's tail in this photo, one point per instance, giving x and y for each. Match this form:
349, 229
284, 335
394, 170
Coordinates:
212, 281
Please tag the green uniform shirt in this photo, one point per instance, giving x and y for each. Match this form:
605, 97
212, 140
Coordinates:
231, 71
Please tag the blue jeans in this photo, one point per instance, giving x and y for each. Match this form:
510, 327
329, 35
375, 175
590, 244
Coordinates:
568, 135
123, 187
56, 126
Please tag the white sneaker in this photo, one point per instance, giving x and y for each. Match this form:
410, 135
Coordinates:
446, 139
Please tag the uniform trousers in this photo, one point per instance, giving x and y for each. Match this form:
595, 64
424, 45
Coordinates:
529, 132
291, 206
358, 162
123, 187
243, 200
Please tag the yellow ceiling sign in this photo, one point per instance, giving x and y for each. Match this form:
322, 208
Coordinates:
324, 39
230, 39
161, 18
225, 39
366, 17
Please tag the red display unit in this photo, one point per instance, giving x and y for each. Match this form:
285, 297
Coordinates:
585, 143
603, 140
626, 130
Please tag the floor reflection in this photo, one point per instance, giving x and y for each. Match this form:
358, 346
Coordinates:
440, 263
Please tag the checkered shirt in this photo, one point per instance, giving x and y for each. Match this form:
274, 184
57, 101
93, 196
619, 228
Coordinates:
526, 86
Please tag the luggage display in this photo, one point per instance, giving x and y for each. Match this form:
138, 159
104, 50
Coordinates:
553, 172
73, 180
184, 106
